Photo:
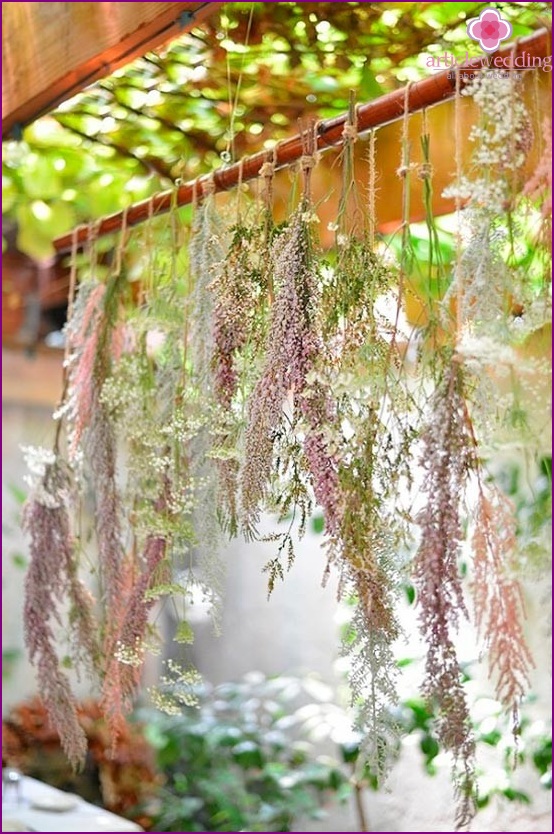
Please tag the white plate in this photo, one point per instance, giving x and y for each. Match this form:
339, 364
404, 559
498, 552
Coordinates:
14, 825
78, 822
53, 802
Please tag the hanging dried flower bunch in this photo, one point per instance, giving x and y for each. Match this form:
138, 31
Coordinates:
446, 460
51, 578
244, 374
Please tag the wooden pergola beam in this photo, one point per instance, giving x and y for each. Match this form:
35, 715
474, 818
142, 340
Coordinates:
388, 108
52, 78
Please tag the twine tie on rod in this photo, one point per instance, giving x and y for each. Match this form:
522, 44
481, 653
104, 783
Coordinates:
207, 186
379, 112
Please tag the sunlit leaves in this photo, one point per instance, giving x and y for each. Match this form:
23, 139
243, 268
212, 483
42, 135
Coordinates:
39, 223
167, 115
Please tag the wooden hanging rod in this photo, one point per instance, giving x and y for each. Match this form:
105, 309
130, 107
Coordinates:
377, 113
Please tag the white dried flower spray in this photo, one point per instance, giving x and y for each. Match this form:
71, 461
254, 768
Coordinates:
502, 137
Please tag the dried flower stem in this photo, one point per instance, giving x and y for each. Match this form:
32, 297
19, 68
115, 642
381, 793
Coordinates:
47, 582
447, 459
293, 348
499, 607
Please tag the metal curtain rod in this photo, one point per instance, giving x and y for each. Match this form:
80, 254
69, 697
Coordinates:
377, 113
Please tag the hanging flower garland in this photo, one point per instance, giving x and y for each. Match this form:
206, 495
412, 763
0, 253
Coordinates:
241, 373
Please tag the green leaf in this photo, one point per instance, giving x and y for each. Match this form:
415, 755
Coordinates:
542, 758
226, 736
10, 655
19, 561
39, 223
438, 15
190, 805
430, 747
71, 162
167, 589
409, 590
318, 524
546, 780
419, 712
336, 779
491, 738
369, 86
184, 633
344, 792
248, 754
40, 179
516, 796
34, 244
9, 194
17, 493
350, 752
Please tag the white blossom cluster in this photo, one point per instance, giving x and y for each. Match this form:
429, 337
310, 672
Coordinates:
130, 655
177, 689
501, 138
483, 351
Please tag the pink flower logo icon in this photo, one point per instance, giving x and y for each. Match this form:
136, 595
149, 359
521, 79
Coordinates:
489, 29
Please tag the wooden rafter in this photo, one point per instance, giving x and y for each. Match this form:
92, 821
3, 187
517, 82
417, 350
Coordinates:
51, 51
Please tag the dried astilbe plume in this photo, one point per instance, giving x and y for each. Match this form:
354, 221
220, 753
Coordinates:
50, 580
447, 459
373, 670
239, 290
92, 436
100, 447
82, 334
498, 597
293, 348
373, 465
124, 665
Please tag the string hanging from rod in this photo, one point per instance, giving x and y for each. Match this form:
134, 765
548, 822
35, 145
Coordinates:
382, 111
